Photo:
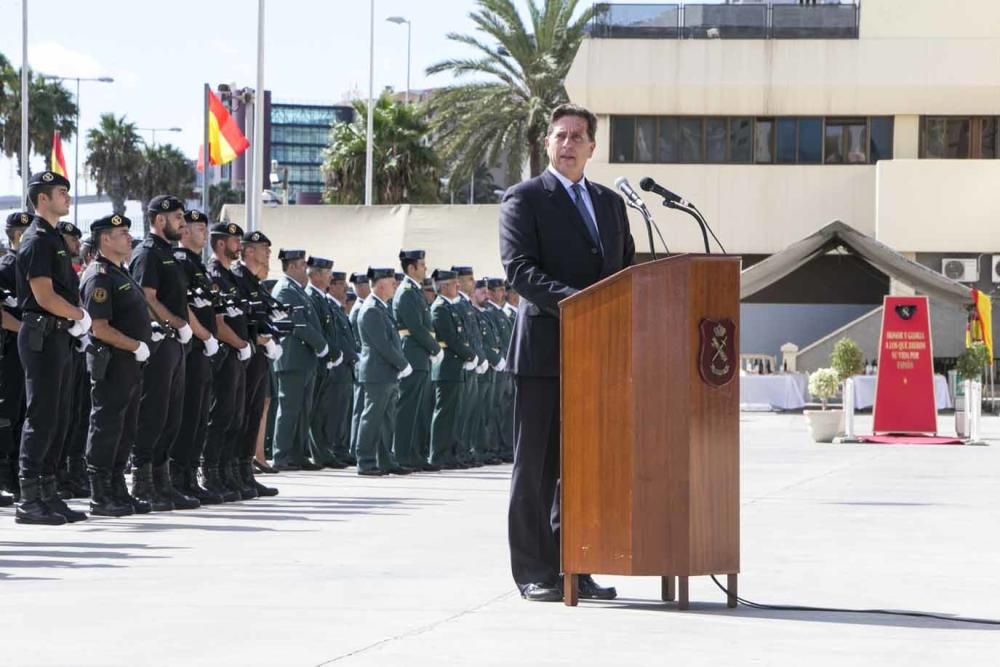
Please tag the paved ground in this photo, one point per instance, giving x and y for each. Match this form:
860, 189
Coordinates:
413, 571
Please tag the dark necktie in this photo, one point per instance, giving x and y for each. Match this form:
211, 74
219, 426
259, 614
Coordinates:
585, 214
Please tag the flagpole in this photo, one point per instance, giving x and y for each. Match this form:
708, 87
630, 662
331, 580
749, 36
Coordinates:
25, 101
258, 124
369, 136
205, 159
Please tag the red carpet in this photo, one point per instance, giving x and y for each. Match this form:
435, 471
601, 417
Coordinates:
909, 440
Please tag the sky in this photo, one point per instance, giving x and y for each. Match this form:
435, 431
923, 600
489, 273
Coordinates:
162, 53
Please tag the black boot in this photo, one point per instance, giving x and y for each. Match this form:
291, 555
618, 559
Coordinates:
119, 489
246, 474
8, 481
212, 480
144, 489
191, 487
32, 508
102, 499
63, 485
231, 475
165, 487
50, 496
79, 480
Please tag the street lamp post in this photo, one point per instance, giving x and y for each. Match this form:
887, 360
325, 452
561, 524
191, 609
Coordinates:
399, 20
76, 143
369, 134
154, 130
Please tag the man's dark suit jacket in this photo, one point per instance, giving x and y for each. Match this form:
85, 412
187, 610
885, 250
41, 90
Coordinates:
548, 255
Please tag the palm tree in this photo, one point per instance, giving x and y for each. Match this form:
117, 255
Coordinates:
52, 108
115, 158
405, 169
519, 72
165, 170
222, 194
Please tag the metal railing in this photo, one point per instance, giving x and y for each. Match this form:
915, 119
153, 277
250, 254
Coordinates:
705, 21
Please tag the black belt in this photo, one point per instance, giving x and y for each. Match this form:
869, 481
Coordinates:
55, 323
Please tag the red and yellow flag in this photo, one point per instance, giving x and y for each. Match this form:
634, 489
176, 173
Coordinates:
57, 163
981, 328
225, 140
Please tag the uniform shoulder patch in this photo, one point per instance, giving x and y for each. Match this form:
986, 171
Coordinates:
100, 295
179, 255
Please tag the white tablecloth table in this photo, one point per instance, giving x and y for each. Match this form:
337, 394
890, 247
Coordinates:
864, 392
786, 391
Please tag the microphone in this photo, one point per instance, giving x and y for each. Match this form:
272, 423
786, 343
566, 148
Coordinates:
649, 185
630, 194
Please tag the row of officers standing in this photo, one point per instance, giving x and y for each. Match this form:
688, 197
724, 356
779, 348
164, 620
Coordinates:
152, 361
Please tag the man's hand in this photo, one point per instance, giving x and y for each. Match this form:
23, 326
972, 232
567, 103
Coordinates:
184, 334
141, 353
500, 366
272, 350
245, 352
81, 326
471, 365
325, 351
483, 367
211, 346
406, 372
436, 359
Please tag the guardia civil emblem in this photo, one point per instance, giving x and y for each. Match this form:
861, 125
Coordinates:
47, 176
717, 358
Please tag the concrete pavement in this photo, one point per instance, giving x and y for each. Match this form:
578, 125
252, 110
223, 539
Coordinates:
413, 571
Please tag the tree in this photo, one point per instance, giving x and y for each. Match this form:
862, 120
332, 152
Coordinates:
51, 108
222, 194
519, 81
165, 170
115, 159
405, 166
484, 188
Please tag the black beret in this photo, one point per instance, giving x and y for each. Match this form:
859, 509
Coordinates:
428, 283
70, 228
495, 283
338, 275
194, 215
256, 237
18, 220
291, 255
110, 222
352, 296
399, 277
443, 274
164, 204
47, 178
319, 262
379, 273
462, 270
412, 254
225, 229
481, 283
359, 278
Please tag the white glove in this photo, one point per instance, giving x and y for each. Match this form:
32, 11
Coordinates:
141, 353
501, 366
81, 326
340, 359
184, 334
278, 351
436, 359
10, 302
245, 352
158, 335
471, 365
279, 314
271, 350
329, 365
198, 302
483, 367
233, 312
325, 351
406, 372
211, 346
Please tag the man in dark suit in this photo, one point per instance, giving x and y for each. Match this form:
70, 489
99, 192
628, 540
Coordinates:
559, 233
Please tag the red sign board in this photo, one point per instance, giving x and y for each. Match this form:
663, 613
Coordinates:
904, 392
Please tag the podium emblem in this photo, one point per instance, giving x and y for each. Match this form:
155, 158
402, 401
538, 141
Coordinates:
717, 358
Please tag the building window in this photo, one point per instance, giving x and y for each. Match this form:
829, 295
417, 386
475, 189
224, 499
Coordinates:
779, 140
958, 137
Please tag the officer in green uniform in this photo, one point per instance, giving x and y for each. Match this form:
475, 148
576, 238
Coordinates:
449, 376
413, 318
296, 369
381, 367
319, 271
469, 453
427, 410
342, 380
503, 405
362, 288
486, 419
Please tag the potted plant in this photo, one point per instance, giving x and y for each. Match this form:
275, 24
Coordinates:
847, 359
969, 366
824, 425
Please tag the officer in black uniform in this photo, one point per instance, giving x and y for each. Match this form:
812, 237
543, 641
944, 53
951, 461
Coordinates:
11, 372
256, 257
185, 458
119, 347
164, 283
72, 473
51, 319
226, 420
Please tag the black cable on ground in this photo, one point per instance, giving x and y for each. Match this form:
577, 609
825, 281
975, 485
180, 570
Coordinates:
836, 610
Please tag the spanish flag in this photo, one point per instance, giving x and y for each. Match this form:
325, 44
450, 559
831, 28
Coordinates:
981, 328
57, 163
225, 140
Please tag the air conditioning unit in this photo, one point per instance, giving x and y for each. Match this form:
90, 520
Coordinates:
962, 270
996, 269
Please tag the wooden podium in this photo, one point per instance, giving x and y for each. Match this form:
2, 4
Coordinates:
650, 425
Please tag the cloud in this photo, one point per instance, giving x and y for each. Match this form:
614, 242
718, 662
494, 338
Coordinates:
54, 58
